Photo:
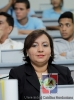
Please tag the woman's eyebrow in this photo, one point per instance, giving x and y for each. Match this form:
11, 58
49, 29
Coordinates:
43, 42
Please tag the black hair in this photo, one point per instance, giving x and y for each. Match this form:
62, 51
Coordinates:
9, 18
26, 2
67, 14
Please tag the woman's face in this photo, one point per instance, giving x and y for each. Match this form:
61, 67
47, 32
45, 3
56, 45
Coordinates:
40, 50
56, 3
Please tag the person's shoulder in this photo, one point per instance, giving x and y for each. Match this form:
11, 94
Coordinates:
58, 41
48, 10
47, 13
64, 74
16, 22
65, 9
17, 72
34, 19
19, 69
31, 12
17, 45
60, 68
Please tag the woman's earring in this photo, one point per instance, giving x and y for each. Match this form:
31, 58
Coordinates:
27, 54
50, 55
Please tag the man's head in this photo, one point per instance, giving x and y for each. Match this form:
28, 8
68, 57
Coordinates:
21, 8
66, 25
57, 3
6, 25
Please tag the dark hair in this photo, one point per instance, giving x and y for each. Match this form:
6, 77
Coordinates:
27, 3
30, 40
67, 14
9, 18
60, 4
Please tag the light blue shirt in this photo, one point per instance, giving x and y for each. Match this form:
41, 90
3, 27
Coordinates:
32, 24
12, 12
51, 14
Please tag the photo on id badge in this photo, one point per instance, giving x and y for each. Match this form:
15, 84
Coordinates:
49, 83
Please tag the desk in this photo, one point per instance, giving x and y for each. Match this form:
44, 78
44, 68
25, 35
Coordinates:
48, 22
38, 13
20, 38
69, 63
65, 91
5, 67
54, 34
11, 56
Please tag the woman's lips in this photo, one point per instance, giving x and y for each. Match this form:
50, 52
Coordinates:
40, 56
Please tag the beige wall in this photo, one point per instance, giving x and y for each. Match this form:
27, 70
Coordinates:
42, 4
35, 4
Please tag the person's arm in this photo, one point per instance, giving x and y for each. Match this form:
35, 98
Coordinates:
52, 27
22, 32
12, 74
5, 9
57, 54
69, 54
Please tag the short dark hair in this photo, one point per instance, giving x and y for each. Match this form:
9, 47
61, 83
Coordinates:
9, 18
27, 3
30, 40
67, 14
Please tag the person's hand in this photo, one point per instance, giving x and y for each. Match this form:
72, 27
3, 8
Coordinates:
63, 54
12, 1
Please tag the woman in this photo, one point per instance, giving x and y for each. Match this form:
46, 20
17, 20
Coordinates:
38, 54
55, 11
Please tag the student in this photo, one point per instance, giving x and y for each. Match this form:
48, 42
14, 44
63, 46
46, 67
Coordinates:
24, 23
64, 48
9, 8
6, 26
38, 53
56, 10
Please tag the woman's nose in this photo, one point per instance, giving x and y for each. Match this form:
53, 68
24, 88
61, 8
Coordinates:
40, 48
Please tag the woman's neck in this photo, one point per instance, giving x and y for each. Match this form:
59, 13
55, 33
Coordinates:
41, 68
57, 9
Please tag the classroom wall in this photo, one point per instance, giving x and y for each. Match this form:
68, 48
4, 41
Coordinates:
42, 4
